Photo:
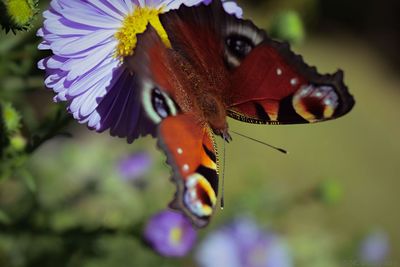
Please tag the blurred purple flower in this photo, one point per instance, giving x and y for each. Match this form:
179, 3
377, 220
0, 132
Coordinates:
243, 244
134, 166
88, 40
375, 248
170, 233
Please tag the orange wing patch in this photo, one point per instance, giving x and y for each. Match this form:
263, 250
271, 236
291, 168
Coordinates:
191, 153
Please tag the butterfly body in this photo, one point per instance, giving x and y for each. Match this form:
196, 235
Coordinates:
200, 94
219, 66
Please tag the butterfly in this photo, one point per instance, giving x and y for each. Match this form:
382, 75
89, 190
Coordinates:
219, 66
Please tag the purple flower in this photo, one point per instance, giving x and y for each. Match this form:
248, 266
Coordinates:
375, 248
171, 234
89, 39
243, 244
134, 166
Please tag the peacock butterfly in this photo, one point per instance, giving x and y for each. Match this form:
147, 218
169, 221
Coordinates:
220, 66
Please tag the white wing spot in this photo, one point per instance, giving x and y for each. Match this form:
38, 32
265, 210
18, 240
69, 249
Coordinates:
328, 102
279, 72
293, 81
185, 168
180, 151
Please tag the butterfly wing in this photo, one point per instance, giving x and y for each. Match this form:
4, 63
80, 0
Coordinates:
268, 83
187, 142
273, 85
135, 108
136, 105
191, 152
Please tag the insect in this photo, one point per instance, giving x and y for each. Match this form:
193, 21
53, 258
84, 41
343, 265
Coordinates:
220, 66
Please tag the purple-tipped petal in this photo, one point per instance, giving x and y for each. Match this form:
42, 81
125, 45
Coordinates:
107, 8
232, 7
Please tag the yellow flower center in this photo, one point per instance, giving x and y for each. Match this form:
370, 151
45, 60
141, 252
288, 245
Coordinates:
175, 235
136, 23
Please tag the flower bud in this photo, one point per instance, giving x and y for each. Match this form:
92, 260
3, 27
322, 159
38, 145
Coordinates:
18, 142
17, 15
11, 118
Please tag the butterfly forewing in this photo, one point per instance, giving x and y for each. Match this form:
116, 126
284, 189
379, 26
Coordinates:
273, 85
266, 82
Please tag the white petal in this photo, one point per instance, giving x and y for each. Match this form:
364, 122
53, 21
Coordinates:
57, 26
86, 64
40, 33
232, 7
58, 43
82, 84
55, 5
121, 6
130, 5
107, 9
44, 46
85, 42
41, 64
55, 62
94, 121
92, 99
92, 19
60, 97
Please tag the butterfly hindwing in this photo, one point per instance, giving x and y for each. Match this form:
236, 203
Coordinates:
187, 142
190, 151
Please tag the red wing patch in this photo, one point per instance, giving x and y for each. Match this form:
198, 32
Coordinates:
272, 85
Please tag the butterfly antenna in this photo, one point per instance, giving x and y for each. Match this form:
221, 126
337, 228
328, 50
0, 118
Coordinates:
223, 177
260, 142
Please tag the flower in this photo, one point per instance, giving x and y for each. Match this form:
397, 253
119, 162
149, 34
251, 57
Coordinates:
243, 244
170, 233
88, 40
134, 166
375, 248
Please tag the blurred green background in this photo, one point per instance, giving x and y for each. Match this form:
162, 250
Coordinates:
67, 205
